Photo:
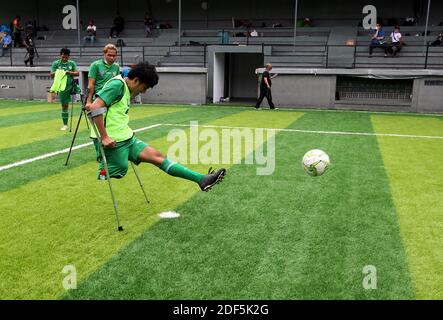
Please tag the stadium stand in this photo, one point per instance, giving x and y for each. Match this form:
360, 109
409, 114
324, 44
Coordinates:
334, 42
314, 47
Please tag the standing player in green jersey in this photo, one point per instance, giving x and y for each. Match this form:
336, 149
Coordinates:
100, 72
109, 112
71, 70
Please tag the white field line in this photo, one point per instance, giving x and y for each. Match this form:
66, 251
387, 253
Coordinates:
55, 153
52, 154
315, 132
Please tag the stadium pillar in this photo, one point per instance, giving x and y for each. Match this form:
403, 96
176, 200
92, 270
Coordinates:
427, 25
78, 27
295, 21
179, 25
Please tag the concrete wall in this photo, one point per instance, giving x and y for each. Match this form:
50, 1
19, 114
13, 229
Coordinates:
23, 84
293, 88
430, 94
315, 88
176, 85
181, 87
303, 91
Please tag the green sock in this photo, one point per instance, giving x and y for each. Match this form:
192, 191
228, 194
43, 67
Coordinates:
177, 170
65, 115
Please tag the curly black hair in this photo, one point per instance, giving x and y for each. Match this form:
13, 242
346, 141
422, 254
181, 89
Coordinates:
145, 72
65, 51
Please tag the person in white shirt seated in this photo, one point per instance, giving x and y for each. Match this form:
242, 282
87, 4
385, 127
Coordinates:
254, 33
396, 42
91, 32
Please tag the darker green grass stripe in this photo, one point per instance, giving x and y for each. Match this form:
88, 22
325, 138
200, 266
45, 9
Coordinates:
18, 176
284, 236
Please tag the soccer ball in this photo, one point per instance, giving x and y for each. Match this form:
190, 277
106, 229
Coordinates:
315, 162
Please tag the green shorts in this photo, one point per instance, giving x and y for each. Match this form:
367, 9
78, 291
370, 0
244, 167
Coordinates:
119, 156
65, 96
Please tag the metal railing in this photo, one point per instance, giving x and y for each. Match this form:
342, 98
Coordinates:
311, 54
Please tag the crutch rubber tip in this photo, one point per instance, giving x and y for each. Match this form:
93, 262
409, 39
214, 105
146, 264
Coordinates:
120, 228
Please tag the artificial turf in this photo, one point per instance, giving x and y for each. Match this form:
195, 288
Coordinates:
282, 236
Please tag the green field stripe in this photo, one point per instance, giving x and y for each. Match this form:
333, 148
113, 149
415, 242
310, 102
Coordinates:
67, 225
334, 121
182, 116
16, 177
416, 185
23, 110
408, 125
7, 104
284, 236
28, 133
21, 119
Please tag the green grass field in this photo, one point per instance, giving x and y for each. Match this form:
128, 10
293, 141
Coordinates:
281, 236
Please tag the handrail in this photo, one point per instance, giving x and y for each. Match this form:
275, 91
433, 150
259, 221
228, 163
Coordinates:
130, 54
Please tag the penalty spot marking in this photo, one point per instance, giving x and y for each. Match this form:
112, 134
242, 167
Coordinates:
169, 215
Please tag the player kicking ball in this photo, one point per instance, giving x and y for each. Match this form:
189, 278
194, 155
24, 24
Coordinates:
109, 112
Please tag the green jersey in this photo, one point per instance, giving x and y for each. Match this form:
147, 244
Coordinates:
117, 97
67, 66
102, 73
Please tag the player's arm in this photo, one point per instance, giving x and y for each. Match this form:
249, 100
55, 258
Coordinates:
92, 75
91, 88
267, 83
74, 73
97, 110
53, 69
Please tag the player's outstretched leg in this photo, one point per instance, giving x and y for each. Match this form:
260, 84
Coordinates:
205, 181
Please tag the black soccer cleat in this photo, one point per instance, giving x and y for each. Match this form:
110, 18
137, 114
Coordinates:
211, 179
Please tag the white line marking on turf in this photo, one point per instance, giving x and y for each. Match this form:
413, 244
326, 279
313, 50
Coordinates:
44, 156
316, 132
52, 154
55, 153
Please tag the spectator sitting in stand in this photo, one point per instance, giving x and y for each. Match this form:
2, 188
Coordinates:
4, 29
438, 41
119, 25
396, 42
5, 43
149, 24
377, 40
91, 32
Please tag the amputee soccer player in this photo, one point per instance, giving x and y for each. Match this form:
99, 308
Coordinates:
100, 72
110, 115
70, 68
